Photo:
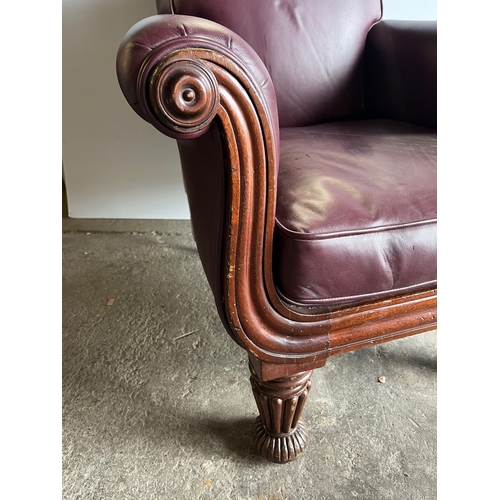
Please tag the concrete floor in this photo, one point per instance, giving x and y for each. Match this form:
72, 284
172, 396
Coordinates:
157, 402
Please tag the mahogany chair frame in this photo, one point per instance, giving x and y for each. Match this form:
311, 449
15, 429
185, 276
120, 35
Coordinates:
186, 87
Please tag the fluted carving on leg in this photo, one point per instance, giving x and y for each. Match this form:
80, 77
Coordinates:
278, 432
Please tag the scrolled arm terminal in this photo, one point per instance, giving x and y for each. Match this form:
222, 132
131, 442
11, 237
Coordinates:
184, 95
156, 81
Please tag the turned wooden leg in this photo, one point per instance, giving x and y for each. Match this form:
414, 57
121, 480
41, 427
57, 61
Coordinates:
278, 432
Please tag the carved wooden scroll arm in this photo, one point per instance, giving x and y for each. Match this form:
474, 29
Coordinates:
186, 74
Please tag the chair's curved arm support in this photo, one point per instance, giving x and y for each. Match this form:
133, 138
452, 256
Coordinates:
152, 40
193, 79
401, 72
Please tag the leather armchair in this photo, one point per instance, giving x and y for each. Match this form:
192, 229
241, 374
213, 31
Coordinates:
307, 138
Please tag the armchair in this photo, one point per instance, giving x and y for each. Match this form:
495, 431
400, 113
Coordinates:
306, 133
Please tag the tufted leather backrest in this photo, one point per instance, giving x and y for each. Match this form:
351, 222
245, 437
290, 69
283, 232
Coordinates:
311, 48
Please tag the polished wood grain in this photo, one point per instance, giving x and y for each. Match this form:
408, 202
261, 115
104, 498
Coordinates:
278, 432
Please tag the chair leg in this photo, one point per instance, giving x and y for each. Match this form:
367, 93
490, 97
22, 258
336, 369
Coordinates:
278, 432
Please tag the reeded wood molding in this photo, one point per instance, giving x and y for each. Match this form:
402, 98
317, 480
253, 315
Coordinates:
185, 89
278, 432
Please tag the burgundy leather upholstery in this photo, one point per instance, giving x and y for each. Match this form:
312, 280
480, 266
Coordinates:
312, 50
356, 214
356, 200
401, 72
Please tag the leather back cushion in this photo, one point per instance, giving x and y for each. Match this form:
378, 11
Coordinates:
311, 48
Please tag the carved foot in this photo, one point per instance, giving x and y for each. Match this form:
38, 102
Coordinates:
278, 432
279, 449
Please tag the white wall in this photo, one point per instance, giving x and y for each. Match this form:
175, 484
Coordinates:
115, 164
415, 10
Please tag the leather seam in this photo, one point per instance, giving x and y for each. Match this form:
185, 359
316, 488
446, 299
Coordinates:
296, 235
340, 298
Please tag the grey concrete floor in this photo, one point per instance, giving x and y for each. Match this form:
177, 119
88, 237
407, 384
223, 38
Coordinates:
157, 402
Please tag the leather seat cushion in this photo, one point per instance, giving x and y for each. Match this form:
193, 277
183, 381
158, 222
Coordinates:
356, 212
